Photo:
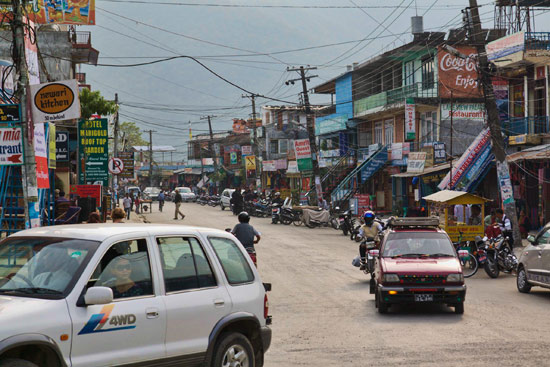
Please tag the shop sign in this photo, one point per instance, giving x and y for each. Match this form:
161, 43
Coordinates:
330, 124
504, 182
280, 164
51, 147
463, 111
292, 167
268, 166
429, 150
410, 120
62, 146
246, 150
396, 151
208, 161
416, 162
458, 75
505, 46
10, 112
93, 152
440, 155
41, 157
303, 154
55, 101
128, 161
250, 162
85, 191
233, 158
540, 72
477, 168
11, 146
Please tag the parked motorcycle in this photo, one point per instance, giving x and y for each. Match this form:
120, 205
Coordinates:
276, 213
214, 200
500, 256
347, 222
289, 215
202, 200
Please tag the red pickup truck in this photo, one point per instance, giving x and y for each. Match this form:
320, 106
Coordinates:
417, 263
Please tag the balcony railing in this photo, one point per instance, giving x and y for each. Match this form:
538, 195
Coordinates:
537, 41
81, 39
397, 95
527, 125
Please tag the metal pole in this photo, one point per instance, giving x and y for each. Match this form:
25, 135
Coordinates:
451, 146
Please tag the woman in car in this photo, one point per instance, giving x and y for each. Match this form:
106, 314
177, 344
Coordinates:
122, 284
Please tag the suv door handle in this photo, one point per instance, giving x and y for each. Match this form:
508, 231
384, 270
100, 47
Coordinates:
219, 302
152, 313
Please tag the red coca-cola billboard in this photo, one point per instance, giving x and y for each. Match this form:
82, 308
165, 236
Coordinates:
457, 75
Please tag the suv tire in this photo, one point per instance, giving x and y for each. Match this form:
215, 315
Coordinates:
382, 306
233, 347
221, 206
12, 362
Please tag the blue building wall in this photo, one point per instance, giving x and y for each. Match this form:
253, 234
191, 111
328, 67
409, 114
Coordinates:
343, 93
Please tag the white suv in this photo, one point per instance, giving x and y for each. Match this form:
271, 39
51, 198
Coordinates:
130, 294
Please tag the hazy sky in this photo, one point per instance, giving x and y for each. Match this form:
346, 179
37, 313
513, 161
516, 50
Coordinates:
227, 40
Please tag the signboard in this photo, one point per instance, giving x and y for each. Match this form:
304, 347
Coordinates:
116, 166
55, 101
330, 124
10, 113
292, 167
11, 146
376, 162
62, 146
41, 157
246, 150
128, 161
410, 120
440, 155
51, 147
303, 154
396, 151
84, 191
31, 53
93, 152
233, 157
280, 164
268, 166
79, 12
504, 182
416, 162
463, 111
250, 162
505, 46
458, 77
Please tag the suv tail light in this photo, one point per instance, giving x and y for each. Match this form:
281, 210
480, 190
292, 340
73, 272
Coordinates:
266, 307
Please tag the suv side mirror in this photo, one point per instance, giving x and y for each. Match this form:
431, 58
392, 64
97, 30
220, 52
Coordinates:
531, 239
98, 296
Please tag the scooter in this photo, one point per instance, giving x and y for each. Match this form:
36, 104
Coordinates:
275, 213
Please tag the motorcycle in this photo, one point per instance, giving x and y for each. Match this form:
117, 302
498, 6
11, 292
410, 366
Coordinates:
347, 222
214, 200
202, 200
500, 256
289, 215
276, 213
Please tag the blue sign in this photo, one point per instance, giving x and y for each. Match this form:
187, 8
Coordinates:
343, 137
374, 164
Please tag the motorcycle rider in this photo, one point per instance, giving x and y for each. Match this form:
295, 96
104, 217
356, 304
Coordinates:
245, 233
371, 229
505, 225
277, 199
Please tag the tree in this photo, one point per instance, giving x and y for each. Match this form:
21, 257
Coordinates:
92, 103
130, 135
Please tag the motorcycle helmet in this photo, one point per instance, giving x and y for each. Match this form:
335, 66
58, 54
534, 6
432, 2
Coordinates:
244, 217
368, 217
277, 194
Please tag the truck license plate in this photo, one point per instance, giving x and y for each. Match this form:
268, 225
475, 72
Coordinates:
423, 297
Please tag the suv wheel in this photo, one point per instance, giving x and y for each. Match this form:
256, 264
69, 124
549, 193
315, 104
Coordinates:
233, 350
12, 362
522, 283
382, 306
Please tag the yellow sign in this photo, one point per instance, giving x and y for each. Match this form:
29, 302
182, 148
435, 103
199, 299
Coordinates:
51, 145
250, 162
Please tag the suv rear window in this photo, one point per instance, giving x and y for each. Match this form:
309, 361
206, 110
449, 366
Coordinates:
416, 244
234, 264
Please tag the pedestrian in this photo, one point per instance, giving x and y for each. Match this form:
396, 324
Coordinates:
94, 217
524, 224
177, 200
118, 215
136, 202
127, 204
245, 233
161, 200
237, 201
490, 218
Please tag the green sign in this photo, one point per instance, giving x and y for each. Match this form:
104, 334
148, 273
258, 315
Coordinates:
305, 164
93, 152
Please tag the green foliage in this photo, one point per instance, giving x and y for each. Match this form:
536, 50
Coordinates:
218, 176
130, 135
324, 145
93, 103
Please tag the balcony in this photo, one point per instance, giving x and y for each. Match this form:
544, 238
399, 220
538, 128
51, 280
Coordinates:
526, 130
83, 52
375, 102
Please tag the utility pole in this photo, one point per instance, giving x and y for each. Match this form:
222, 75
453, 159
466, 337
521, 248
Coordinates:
255, 146
493, 121
310, 127
30, 187
212, 152
150, 156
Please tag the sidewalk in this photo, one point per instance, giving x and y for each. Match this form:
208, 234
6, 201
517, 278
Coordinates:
135, 218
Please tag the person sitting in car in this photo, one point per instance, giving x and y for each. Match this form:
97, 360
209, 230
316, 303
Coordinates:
121, 282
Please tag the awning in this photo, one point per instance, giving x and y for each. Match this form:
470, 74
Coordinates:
436, 168
193, 171
540, 152
452, 197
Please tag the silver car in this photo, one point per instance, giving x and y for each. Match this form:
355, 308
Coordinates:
534, 262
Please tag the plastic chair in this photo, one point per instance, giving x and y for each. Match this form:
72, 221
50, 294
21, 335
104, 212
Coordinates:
69, 217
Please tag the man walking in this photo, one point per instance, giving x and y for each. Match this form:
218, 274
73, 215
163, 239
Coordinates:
161, 200
127, 204
177, 200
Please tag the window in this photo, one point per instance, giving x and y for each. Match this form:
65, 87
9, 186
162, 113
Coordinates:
283, 146
544, 238
388, 131
428, 127
184, 264
409, 73
428, 73
274, 147
379, 132
234, 264
125, 269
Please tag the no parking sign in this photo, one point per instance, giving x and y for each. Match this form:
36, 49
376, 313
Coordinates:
116, 166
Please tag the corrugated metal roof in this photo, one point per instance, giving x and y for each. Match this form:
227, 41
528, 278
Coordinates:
535, 153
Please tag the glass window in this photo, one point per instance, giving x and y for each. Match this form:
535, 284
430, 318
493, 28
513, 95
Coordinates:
283, 146
409, 73
234, 264
428, 73
274, 147
42, 267
125, 269
388, 132
414, 244
184, 264
544, 238
379, 132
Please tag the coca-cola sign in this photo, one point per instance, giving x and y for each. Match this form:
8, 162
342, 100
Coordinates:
458, 76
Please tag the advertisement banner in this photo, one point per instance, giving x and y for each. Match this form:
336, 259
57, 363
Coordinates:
463, 111
55, 101
458, 77
500, 88
62, 146
302, 148
31, 54
78, 12
280, 164
51, 147
268, 166
250, 162
292, 167
416, 162
504, 182
84, 191
505, 46
376, 162
440, 154
246, 150
396, 151
305, 164
41, 157
410, 120
9, 112
93, 152
11, 146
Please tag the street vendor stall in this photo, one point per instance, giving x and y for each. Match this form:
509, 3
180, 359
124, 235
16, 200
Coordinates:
458, 211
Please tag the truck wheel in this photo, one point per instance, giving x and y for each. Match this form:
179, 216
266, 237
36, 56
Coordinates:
459, 308
12, 362
233, 349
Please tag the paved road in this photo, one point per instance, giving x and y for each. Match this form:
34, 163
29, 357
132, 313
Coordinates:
323, 314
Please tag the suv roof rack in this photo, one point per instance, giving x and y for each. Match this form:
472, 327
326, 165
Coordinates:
417, 222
